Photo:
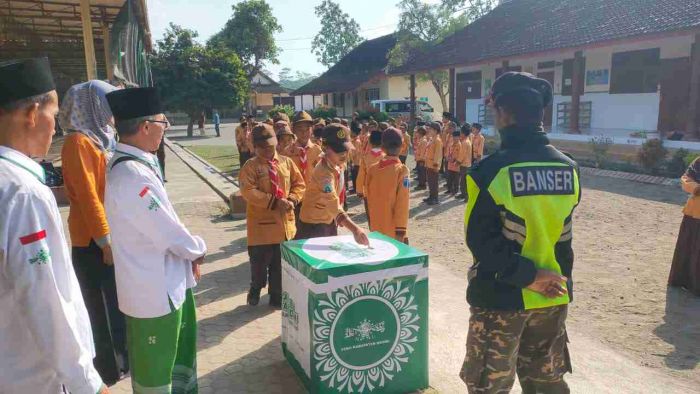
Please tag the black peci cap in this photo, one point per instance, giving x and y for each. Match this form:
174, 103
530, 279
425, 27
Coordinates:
512, 81
21, 79
134, 103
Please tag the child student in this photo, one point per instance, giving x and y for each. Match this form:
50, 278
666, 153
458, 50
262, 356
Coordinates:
387, 188
465, 160
453, 163
322, 211
433, 158
477, 140
355, 154
420, 146
406, 144
373, 156
285, 137
272, 186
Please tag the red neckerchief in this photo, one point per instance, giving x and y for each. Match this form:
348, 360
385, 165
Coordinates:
376, 152
340, 178
274, 178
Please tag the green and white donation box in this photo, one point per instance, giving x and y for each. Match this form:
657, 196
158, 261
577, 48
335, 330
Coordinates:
355, 319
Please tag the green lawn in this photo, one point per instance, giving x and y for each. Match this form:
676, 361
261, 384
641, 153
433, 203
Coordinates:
225, 158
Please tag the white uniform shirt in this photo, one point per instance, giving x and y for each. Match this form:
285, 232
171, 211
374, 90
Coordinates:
153, 251
45, 335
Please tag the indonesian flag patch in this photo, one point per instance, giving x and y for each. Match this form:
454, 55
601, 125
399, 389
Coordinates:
153, 202
31, 238
42, 256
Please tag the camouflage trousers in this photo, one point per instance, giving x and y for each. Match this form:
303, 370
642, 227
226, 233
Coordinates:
533, 343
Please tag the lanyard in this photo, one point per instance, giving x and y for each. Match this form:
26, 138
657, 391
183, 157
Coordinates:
158, 173
39, 177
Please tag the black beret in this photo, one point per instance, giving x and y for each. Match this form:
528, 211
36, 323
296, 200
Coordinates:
134, 103
21, 79
520, 81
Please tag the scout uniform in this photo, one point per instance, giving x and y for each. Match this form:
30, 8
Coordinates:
420, 152
477, 139
45, 341
263, 184
373, 156
433, 158
322, 211
242, 141
355, 159
153, 260
285, 138
405, 146
518, 226
465, 161
388, 191
454, 163
308, 155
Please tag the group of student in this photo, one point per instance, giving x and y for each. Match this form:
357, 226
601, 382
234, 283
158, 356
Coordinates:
296, 175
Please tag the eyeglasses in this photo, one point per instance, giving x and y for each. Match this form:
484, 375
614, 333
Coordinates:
165, 123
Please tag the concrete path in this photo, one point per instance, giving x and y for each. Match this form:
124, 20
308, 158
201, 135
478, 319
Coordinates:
239, 346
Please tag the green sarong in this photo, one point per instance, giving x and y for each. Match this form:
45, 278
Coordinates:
163, 351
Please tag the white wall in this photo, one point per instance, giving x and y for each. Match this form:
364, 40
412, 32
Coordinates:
618, 112
308, 102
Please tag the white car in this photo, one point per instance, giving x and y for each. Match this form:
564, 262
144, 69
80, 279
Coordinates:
396, 108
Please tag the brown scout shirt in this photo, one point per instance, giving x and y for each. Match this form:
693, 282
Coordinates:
388, 196
322, 203
406, 144
313, 156
465, 159
266, 225
371, 157
433, 154
477, 146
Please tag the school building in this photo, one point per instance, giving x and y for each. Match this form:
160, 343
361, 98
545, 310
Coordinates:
360, 77
626, 69
266, 93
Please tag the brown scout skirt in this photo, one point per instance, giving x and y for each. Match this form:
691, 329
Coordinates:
685, 269
316, 230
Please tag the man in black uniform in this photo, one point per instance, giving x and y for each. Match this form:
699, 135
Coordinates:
518, 226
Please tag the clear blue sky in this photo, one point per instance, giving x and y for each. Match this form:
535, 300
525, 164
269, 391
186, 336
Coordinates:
376, 18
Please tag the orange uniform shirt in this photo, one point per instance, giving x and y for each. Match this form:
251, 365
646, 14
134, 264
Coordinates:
477, 146
388, 197
406, 144
421, 147
313, 156
465, 159
692, 207
356, 153
454, 155
84, 177
368, 159
322, 203
243, 140
266, 225
433, 153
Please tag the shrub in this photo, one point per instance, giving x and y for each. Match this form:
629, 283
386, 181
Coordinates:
600, 146
677, 166
287, 109
690, 158
373, 114
324, 112
652, 155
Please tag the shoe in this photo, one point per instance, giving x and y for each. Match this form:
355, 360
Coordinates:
461, 196
276, 300
253, 296
426, 199
433, 202
419, 188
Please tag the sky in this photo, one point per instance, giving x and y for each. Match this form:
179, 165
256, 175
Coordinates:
299, 23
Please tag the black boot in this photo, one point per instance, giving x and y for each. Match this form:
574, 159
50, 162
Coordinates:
253, 296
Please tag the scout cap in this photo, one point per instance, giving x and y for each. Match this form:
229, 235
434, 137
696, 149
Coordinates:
337, 137
21, 79
302, 116
435, 126
335, 120
280, 116
392, 138
134, 103
282, 128
512, 82
264, 135
320, 122
384, 125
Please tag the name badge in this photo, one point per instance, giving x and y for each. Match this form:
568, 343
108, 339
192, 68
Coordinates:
545, 180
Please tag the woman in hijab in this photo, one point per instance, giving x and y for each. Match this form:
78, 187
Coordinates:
685, 269
87, 119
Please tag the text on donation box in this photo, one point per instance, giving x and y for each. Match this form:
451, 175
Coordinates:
355, 319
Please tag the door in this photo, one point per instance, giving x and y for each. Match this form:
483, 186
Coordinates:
548, 112
468, 87
675, 94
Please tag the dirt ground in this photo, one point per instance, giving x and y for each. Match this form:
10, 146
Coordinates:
624, 237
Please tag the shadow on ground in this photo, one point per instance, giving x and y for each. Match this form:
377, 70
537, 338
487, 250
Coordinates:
230, 321
681, 328
263, 370
659, 193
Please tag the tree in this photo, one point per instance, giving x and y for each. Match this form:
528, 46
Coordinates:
192, 78
422, 26
250, 34
294, 81
339, 34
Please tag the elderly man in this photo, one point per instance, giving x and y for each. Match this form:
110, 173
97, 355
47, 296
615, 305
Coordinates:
156, 259
45, 336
